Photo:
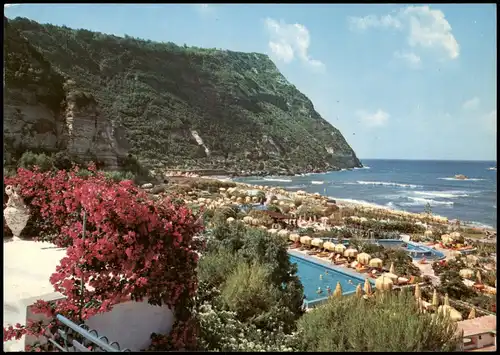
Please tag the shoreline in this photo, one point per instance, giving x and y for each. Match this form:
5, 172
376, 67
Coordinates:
351, 203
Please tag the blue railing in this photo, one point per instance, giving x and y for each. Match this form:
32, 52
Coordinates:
71, 337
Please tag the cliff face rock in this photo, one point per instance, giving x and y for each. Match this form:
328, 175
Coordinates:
183, 107
42, 114
88, 134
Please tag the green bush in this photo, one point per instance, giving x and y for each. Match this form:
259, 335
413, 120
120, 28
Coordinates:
248, 291
118, 176
383, 324
29, 160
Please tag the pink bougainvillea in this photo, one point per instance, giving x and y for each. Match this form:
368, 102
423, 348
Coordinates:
134, 248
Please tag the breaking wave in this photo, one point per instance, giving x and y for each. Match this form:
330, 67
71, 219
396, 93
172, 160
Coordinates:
383, 183
455, 179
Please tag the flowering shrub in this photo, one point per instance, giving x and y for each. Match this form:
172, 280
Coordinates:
134, 248
222, 331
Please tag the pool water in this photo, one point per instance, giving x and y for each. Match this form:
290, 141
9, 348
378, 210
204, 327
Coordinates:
309, 272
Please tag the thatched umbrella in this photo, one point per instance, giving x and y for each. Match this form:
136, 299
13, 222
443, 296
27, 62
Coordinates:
451, 312
455, 235
359, 290
445, 238
391, 276
428, 233
363, 258
472, 313
376, 262
466, 273
306, 240
230, 220
368, 287
284, 233
317, 242
418, 293
435, 299
294, 237
338, 290
383, 283
350, 253
446, 301
272, 231
479, 279
339, 248
329, 246
392, 270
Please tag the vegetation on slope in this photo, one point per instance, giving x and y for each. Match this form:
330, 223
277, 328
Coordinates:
246, 113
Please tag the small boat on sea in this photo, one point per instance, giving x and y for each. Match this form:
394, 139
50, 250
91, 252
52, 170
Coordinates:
317, 182
461, 177
493, 168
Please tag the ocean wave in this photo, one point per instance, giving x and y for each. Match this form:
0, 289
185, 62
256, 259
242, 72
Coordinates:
277, 180
364, 167
296, 187
317, 182
383, 183
455, 179
442, 194
417, 201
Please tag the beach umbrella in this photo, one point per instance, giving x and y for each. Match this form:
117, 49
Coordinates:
446, 301
329, 246
472, 313
230, 220
391, 276
294, 237
339, 248
466, 273
317, 242
451, 312
383, 283
359, 290
368, 287
284, 233
363, 258
418, 293
445, 238
351, 253
435, 299
479, 279
392, 269
455, 235
338, 290
305, 240
376, 262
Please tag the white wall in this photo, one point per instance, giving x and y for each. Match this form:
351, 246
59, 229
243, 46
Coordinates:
486, 340
130, 324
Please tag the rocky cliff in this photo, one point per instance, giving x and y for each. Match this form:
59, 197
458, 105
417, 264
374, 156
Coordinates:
42, 112
172, 106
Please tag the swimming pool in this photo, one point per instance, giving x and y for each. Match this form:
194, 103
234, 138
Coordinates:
309, 271
415, 250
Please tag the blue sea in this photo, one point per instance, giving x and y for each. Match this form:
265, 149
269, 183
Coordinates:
408, 185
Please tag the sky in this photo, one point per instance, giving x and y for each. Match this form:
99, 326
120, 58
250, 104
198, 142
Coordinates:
399, 81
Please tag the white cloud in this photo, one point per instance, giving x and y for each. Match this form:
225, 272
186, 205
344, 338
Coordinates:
490, 121
411, 58
426, 28
289, 41
372, 21
379, 118
471, 104
204, 8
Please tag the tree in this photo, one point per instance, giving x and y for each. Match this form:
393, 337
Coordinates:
389, 323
